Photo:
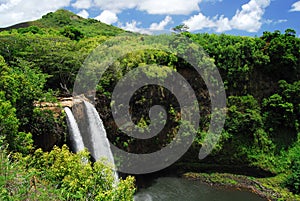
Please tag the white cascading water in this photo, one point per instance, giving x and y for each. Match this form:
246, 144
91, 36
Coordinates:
75, 136
99, 146
98, 137
100, 143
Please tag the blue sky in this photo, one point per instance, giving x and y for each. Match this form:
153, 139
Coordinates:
243, 17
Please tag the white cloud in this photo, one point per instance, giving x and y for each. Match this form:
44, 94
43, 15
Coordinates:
6, 5
133, 27
155, 28
274, 22
83, 14
268, 21
82, 4
198, 22
161, 26
249, 18
213, 1
116, 6
296, 6
107, 17
167, 7
281, 21
16, 11
222, 24
175, 7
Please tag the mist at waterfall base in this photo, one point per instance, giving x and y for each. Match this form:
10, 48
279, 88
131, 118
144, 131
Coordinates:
89, 132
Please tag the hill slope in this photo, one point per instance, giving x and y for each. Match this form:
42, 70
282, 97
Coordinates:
62, 18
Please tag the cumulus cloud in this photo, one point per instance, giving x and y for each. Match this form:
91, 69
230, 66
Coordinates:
82, 4
151, 6
222, 24
296, 6
155, 28
107, 17
175, 7
116, 6
198, 22
214, 1
249, 18
16, 11
133, 27
161, 26
83, 14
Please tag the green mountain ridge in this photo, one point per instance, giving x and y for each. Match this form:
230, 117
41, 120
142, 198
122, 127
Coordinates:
61, 18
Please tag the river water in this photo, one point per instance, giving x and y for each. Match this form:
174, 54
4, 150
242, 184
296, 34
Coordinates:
179, 189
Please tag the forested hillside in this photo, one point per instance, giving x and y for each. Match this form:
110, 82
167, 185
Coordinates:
39, 62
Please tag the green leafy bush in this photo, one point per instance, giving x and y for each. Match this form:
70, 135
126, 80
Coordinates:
77, 178
60, 175
72, 33
293, 180
19, 183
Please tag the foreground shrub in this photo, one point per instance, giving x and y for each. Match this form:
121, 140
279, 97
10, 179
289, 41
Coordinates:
60, 175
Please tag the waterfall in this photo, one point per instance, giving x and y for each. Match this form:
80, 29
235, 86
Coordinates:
97, 133
91, 134
75, 136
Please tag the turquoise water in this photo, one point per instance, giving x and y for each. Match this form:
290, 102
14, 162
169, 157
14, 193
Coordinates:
178, 189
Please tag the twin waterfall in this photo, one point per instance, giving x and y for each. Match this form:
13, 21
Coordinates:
87, 130
75, 135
